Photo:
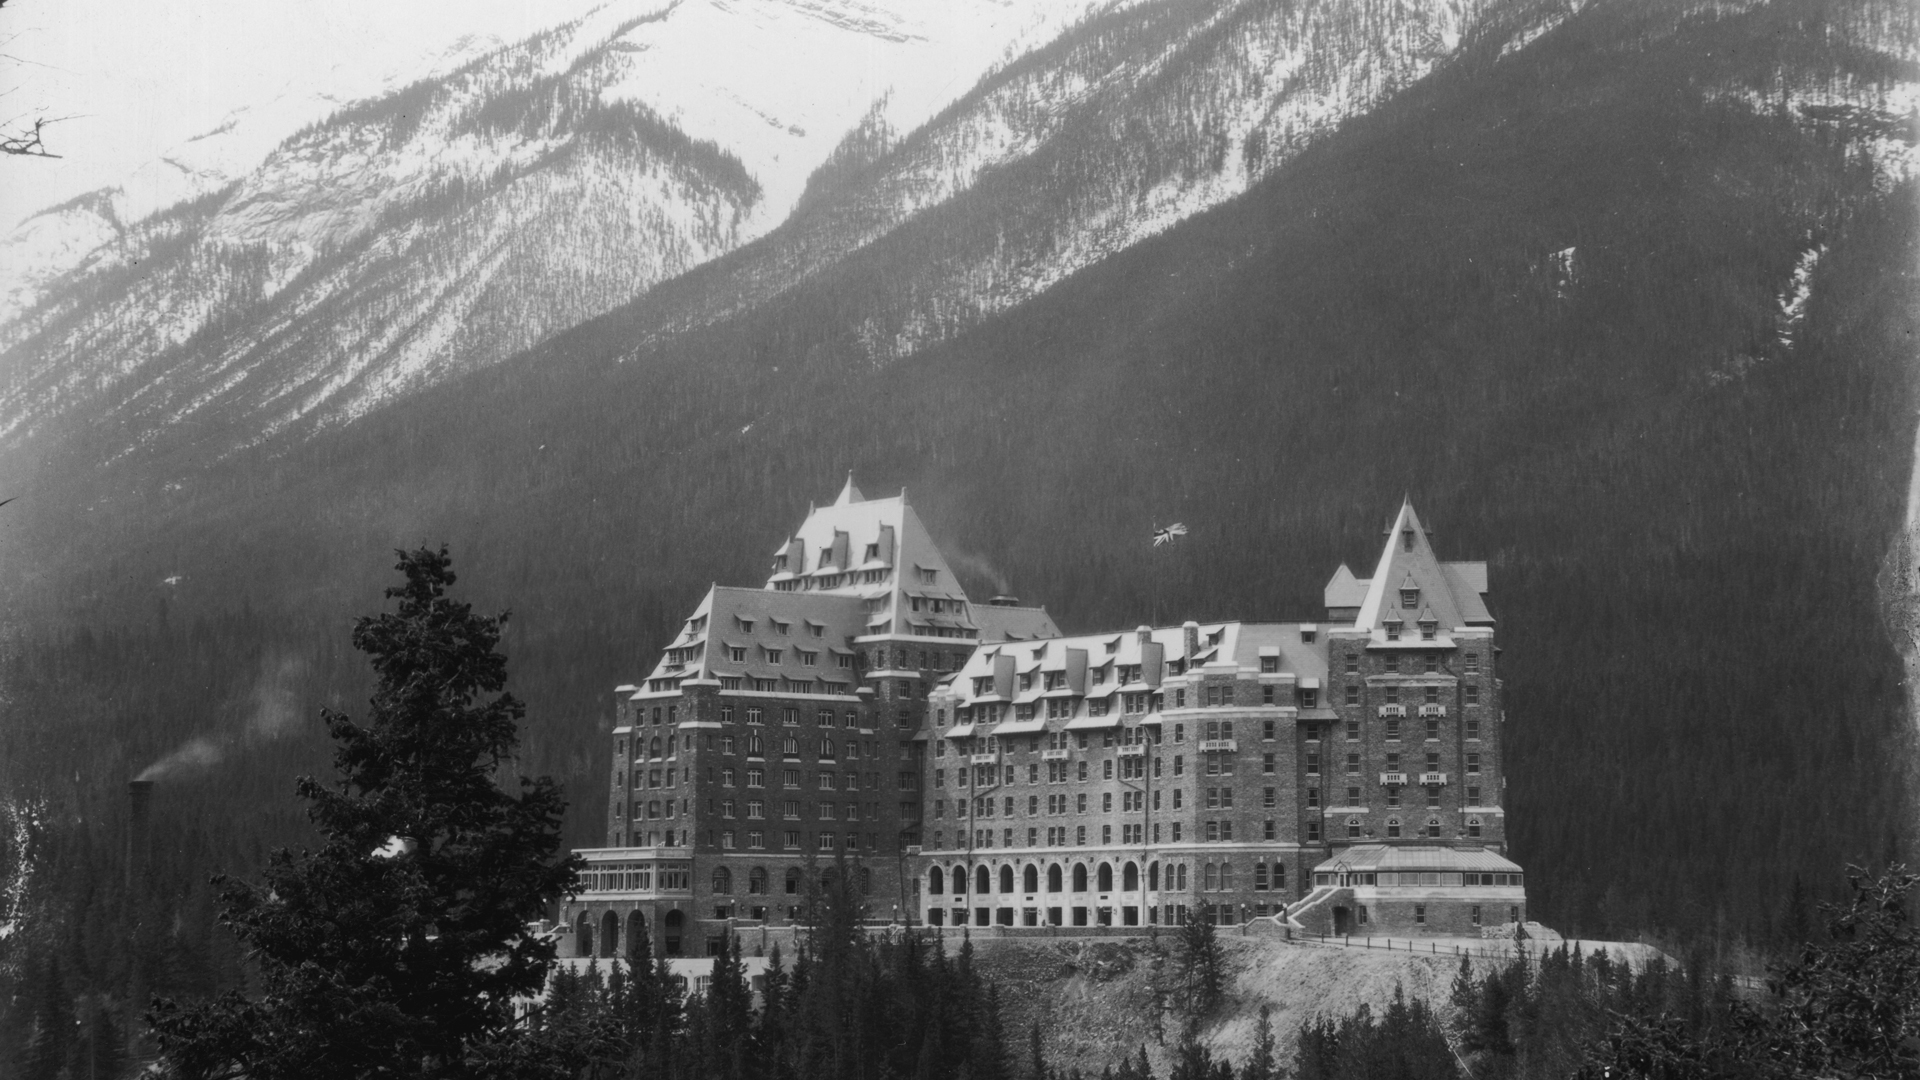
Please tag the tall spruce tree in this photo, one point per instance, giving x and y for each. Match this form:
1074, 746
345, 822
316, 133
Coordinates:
398, 947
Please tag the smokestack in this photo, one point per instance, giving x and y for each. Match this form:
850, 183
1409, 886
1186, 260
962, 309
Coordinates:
139, 830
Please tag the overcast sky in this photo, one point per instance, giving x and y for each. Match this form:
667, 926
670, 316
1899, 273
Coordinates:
140, 77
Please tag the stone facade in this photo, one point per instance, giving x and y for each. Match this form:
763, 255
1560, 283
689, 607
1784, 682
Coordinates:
861, 715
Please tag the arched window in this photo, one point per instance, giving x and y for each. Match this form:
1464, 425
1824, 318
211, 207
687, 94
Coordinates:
1183, 878
1105, 877
636, 933
653, 748
1279, 875
866, 879
1130, 878
1080, 877
583, 935
757, 880
982, 880
1433, 826
1153, 876
1473, 827
959, 881
1006, 879
793, 881
722, 881
1053, 878
936, 882
1353, 828
675, 922
1031, 879
1393, 828
1213, 877
1226, 875
609, 936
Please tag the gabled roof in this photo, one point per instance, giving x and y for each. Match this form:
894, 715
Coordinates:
844, 532
1344, 590
999, 623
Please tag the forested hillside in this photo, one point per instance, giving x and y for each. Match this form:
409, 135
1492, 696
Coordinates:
1628, 312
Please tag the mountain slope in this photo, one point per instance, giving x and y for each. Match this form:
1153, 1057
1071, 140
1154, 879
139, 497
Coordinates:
443, 227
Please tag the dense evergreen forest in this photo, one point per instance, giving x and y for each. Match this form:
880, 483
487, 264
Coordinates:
1543, 296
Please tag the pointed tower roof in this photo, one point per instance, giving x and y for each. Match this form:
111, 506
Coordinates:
1411, 578
848, 494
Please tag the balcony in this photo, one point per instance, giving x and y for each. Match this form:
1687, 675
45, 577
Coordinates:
1433, 710
1218, 746
1433, 779
984, 759
1054, 755
1393, 779
1393, 710
1136, 750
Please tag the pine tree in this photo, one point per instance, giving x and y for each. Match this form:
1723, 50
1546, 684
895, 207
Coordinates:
1202, 966
397, 948
1261, 1064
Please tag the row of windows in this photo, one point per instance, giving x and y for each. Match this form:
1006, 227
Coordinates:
1393, 794
1131, 833
756, 810
1101, 878
795, 840
824, 780
1356, 830
1429, 662
1394, 763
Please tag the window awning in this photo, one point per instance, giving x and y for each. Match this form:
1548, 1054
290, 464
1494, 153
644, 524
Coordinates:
1093, 723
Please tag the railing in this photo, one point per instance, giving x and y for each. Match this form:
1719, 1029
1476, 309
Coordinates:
1433, 779
984, 759
1054, 755
1135, 750
1393, 710
1393, 779
1215, 746
1433, 710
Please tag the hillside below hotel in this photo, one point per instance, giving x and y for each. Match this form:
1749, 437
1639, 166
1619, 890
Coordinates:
859, 713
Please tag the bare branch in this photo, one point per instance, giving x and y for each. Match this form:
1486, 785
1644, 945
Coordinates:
27, 143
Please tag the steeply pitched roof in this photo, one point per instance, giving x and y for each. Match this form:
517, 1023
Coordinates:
1452, 591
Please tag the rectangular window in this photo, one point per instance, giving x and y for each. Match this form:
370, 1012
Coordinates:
1353, 693
1313, 832
1420, 914
1313, 798
1473, 763
1313, 764
1353, 764
1268, 763
1353, 731
1473, 795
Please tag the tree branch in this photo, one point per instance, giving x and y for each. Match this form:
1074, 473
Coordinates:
27, 143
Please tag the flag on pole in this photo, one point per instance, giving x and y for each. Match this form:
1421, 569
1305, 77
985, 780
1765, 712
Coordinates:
1166, 535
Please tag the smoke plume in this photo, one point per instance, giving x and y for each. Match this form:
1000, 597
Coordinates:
271, 709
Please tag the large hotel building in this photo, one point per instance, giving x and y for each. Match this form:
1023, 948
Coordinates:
860, 714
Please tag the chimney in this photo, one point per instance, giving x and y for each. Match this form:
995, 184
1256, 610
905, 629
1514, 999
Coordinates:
1191, 632
139, 830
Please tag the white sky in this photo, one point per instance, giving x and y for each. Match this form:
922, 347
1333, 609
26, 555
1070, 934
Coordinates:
140, 77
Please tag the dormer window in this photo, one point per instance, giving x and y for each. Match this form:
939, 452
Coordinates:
737, 654
1392, 627
1427, 628
746, 625
773, 656
928, 577
1409, 598
1307, 635
781, 627
873, 552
